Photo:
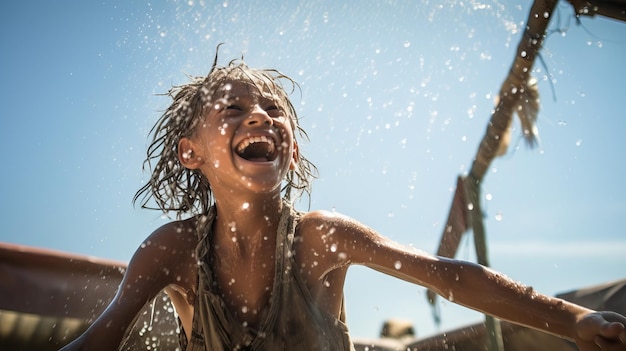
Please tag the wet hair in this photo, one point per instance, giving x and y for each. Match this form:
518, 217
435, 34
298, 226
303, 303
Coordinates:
185, 191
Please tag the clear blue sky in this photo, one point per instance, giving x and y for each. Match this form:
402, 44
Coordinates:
395, 96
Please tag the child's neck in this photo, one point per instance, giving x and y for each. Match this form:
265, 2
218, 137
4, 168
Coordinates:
247, 223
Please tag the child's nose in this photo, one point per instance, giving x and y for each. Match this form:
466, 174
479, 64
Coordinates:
258, 117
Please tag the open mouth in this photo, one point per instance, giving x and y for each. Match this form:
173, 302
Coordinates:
257, 149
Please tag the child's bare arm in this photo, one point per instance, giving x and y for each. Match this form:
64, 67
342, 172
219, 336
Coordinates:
157, 263
467, 283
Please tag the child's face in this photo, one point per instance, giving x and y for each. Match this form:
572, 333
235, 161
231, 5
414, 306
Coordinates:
245, 140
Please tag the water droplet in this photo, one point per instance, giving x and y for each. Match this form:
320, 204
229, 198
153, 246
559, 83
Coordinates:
333, 248
498, 217
397, 265
470, 206
245, 205
523, 54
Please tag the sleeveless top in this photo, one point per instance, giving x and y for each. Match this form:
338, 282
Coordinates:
293, 322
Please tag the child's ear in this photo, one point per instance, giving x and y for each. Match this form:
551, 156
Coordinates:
186, 154
295, 158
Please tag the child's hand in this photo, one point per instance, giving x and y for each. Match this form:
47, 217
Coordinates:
601, 331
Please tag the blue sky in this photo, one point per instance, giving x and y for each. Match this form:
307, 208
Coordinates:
395, 96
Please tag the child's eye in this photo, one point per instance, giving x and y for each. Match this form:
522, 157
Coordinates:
233, 107
274, 111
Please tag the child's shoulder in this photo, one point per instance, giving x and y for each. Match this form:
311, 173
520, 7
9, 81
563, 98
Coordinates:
326, 222
323, 227
316, 218
167, 256
171, 246
176, 237
324, 217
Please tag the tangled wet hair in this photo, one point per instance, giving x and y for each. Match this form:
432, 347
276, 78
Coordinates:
184, 191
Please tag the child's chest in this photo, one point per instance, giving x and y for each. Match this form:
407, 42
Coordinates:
245, 286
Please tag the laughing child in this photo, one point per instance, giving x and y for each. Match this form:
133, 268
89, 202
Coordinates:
246, 271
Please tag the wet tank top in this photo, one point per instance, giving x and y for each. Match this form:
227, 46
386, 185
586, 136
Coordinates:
294, 321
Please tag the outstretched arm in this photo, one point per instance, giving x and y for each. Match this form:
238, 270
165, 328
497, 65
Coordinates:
470, 285
164, 255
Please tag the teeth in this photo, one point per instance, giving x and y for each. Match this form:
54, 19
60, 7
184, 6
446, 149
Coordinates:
256, 139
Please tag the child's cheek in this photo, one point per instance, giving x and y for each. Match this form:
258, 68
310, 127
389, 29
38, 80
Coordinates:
223, 128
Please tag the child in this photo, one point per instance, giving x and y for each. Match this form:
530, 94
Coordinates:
246, 271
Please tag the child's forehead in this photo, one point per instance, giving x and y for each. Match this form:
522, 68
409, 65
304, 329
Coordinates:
256, 90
